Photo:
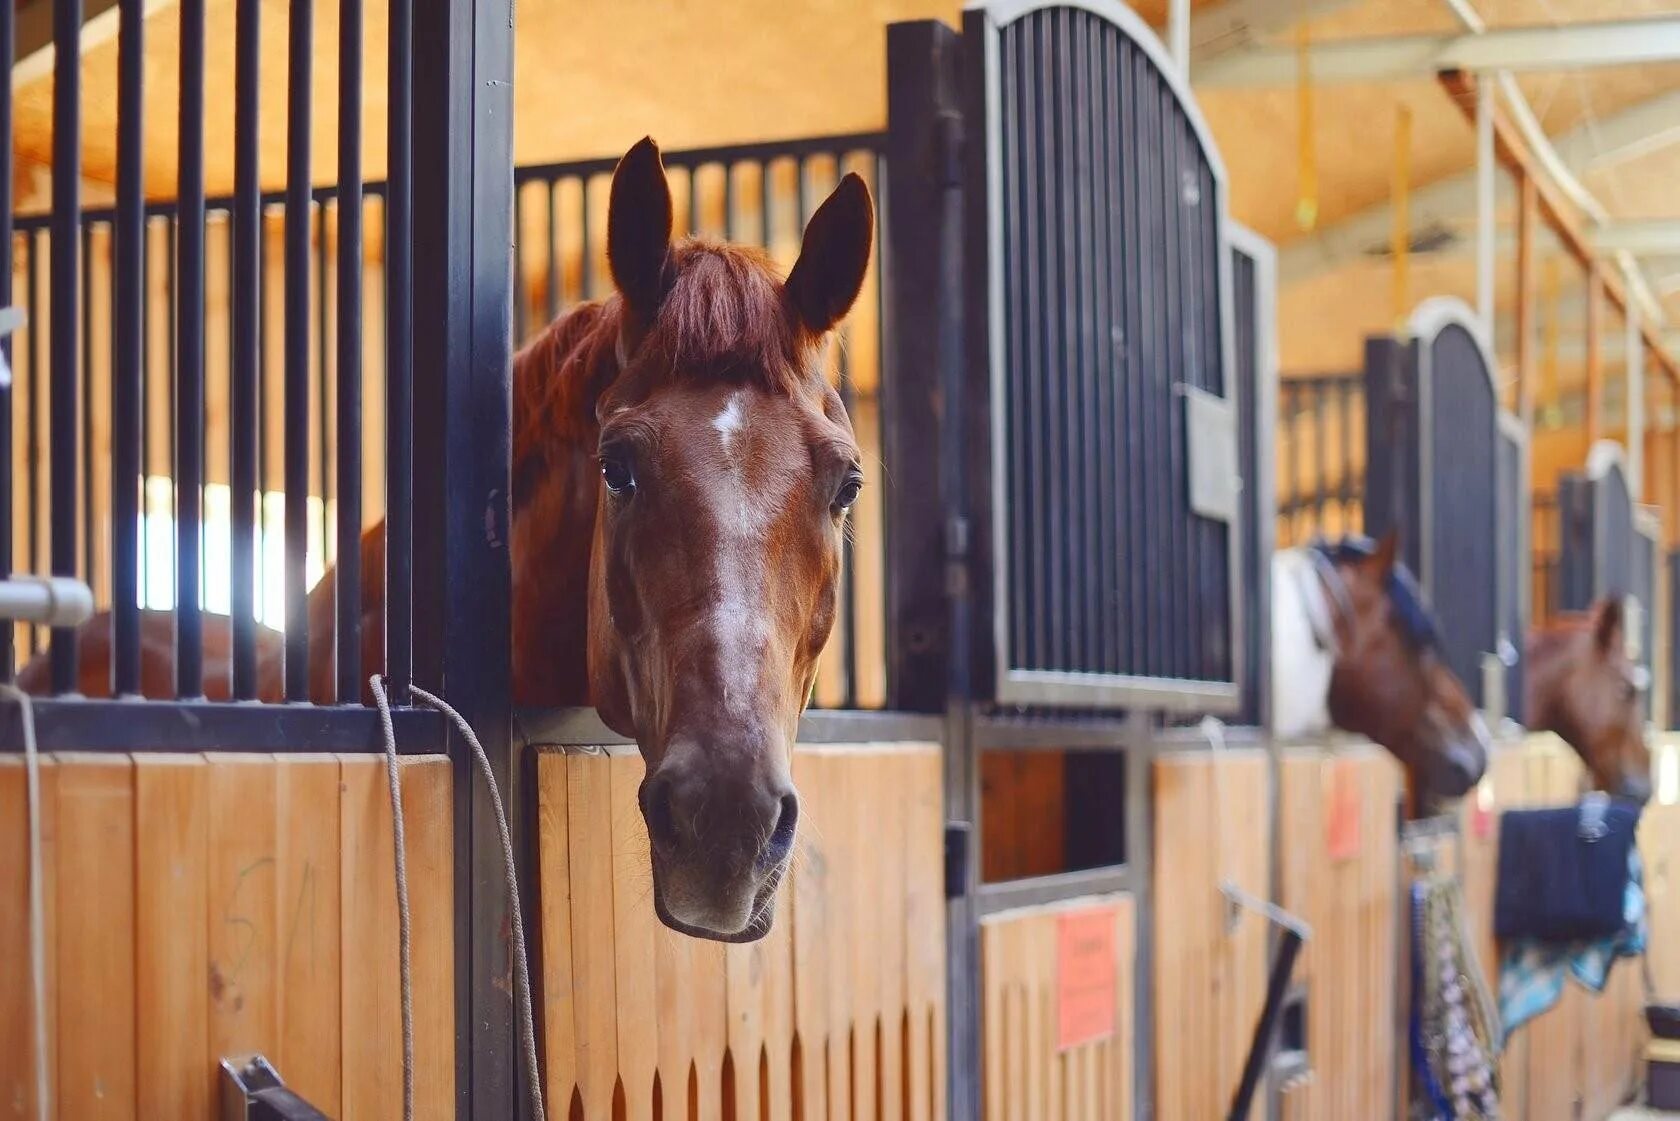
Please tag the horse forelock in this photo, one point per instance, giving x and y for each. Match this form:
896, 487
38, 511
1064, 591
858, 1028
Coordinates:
723, 317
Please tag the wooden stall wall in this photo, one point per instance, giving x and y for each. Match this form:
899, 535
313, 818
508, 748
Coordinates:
1338, 872
838, 1013
1211, 826
1580, 1060
1660, 845
1027, 1075
201, 906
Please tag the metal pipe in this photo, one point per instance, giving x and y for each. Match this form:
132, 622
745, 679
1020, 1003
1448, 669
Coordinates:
63, 270
247, 299
1265, 1030
189, 366
399, 371
57, 601
349, 327
128, 354
297, 349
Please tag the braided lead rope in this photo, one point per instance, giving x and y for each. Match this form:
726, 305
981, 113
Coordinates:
521, 964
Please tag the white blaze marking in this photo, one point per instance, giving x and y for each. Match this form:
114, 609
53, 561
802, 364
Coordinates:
729, 421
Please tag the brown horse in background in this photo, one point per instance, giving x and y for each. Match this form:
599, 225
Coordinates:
1582, 686
682, 473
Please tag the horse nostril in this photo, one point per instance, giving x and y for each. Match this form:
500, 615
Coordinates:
656, 808
781, 839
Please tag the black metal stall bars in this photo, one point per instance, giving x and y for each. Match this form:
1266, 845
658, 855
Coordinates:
63, 350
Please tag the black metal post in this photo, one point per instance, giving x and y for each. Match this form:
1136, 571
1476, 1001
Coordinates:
189, 366
349, 326
247, 297
1260, 1049
297, 348
399, 369
65, 243
463, 205
8, 480
128, 353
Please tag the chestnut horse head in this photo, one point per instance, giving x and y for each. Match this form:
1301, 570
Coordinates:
1582, 685
727, 465
1382, 675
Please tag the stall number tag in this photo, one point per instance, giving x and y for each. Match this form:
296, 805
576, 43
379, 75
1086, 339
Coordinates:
1345, 810
1085, 976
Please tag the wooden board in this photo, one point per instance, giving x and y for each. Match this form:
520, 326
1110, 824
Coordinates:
308, 871
17, 1004
428, 812
372, 1006
1025, 1076
95, 889
171, 943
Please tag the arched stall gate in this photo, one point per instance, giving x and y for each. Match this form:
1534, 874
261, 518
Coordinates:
1074, 334
1610, 546
1448, 471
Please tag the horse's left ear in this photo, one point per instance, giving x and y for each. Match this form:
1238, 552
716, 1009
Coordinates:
1607, 625
826, 279
639, 228
1387, 551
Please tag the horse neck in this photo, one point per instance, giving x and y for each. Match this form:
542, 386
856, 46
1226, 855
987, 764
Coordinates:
557, 379
1546, 662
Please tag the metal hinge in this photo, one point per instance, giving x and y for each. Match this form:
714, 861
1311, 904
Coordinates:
957, 834
252, 1090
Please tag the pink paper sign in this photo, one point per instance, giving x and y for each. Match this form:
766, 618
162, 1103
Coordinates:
1085, 977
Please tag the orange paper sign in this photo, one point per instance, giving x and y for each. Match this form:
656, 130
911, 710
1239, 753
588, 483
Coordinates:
1085, 977
1345, 810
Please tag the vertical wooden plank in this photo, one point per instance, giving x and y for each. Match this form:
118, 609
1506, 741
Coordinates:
992, 1020
308, 865
845, 787
171, 934
372, 1000
924, 917
589, 813
95, 887
17, 1064
1527, 254
428, 818
1595, 354
868, 856
809, 890
896, 771
634, 983
241, 917
554, 897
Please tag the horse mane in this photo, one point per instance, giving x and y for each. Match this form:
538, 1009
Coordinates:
1563, 627
723, 317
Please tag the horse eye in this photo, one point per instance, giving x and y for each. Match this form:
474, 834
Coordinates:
848, 492
617, 474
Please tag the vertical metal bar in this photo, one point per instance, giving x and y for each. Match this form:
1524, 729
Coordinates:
399, 371
586, 244
324, 327
189, 367
463, 161
8, 479
298, 222
128, 351
85, 472
349, 561
247, 295
1485, 170
66, 220
521, 301
37, 394
1320, 446
553, 303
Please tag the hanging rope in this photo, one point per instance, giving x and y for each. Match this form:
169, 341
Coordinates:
521, 964
1400, 237
1237, 899
1306, 203
37, 903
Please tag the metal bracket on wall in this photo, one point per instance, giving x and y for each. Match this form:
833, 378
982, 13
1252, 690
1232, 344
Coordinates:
252, 1090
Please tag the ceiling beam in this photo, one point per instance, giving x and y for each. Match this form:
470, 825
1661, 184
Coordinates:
1574, 46
1219, 29
34, 60
1450, 202
1654, 237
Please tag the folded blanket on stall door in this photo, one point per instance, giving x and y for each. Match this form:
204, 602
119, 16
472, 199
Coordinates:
1563, 872
1532, 972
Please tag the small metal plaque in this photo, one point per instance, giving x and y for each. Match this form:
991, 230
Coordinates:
1215, 478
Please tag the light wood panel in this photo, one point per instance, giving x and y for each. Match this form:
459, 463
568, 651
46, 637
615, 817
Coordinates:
1210, 960
186, 920
797, 1025
1025, 1076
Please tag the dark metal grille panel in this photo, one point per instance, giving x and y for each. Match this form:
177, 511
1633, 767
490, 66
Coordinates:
1464, 562
1642, 585
1110, 303
1512, 537
1614, 534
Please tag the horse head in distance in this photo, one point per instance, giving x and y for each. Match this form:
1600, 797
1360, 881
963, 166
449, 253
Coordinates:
1355, 645
1582, 685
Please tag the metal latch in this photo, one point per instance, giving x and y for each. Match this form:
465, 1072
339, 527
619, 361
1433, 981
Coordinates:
252, 1090
1215, 475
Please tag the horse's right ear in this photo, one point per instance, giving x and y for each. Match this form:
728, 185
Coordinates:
1387, 552
639, 228
1607, 624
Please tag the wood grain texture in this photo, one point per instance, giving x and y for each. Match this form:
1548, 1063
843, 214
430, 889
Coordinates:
17, 1003
95, 888
171, 936
308, 867
242, 917
554, 902
428, 813
368, 923
634, 971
